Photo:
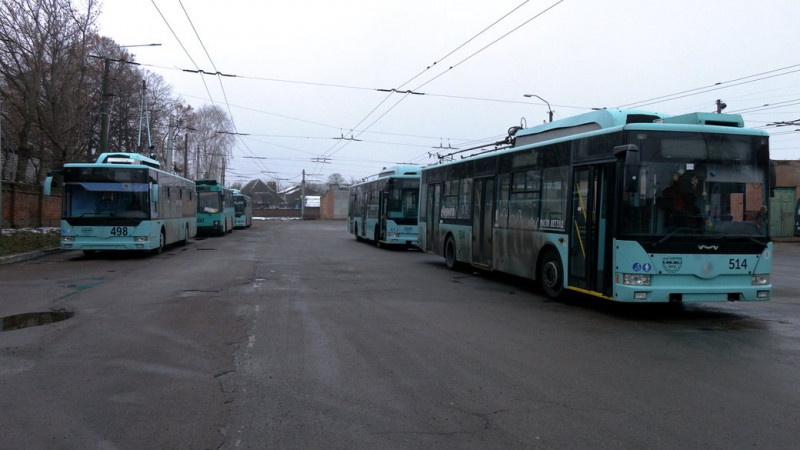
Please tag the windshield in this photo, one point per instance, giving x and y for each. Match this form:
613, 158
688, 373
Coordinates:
209, 202
403, 200
692, 183
121, 200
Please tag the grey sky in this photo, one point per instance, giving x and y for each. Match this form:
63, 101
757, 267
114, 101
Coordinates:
310, 71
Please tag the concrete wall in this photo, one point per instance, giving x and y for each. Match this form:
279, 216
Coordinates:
333, 204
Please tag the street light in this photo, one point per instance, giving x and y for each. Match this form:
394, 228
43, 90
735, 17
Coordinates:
549, 109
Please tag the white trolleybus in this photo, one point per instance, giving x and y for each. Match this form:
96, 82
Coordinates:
623, 205
124, 201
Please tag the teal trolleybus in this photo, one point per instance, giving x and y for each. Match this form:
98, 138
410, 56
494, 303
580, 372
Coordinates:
123, 201
215, 210
242, 210
384, 209
623, 205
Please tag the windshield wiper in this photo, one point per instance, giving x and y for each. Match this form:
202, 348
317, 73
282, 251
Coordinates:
672, 233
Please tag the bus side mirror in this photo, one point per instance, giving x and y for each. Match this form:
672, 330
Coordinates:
48, 185
630, 169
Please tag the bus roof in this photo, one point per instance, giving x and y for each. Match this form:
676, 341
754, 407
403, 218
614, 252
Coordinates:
610, 118
598, 121
403, 170
583, 123
127, 158
133, 160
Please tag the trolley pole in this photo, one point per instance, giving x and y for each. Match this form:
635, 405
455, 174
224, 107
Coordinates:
303, 196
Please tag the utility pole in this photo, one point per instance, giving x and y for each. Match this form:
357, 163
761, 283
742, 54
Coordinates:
185, 155
170, 145
2, 170
303, 196
105, 108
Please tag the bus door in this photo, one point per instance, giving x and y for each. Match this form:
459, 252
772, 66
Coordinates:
482, 218
383, 210
589, 236
432, 225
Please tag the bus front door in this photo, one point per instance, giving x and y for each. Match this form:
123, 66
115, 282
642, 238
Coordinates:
482, 215
589, 242
432, 227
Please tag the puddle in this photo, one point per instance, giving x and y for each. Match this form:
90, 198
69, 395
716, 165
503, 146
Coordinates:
36, 319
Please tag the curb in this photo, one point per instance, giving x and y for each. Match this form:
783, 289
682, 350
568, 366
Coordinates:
27, 256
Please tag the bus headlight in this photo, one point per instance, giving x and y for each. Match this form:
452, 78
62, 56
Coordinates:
636, 279
759, 279
68, 238
141, 239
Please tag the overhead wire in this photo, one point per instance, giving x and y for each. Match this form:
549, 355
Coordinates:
211, 61
331, 152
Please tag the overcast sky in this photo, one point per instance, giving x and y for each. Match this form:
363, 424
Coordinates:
310, 73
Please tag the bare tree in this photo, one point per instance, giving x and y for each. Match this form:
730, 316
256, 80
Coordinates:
43, 65
214, 143
336, 179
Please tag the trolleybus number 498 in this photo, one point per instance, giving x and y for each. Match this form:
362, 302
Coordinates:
119, 231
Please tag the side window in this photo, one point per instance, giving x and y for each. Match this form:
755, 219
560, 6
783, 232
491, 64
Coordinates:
503, 191
524, 200
554, 198
450, 200
465, 199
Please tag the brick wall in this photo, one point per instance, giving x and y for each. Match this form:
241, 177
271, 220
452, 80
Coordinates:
25, 206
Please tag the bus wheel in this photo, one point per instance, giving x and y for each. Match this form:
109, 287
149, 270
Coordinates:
161, 243
355, 232
450, 254
551, 274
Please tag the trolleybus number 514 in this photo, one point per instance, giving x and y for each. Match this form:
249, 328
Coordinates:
737, 264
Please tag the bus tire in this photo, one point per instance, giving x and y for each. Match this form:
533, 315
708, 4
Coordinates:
162, 239
450, 254
551, 274
355, 232
185, 240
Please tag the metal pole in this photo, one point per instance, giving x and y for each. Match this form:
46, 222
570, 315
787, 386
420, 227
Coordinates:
185, 155
1, 166
170, 145
105, 108
303, 197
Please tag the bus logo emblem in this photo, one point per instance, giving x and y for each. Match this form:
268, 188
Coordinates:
672, 264
86, 231
708, 247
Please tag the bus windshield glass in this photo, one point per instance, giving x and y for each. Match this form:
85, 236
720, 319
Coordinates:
98, 199
403, 200
692, 184
209, 202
